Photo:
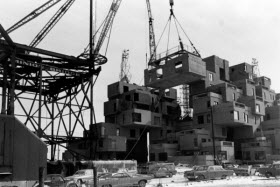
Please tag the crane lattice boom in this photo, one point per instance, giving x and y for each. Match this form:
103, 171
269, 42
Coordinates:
35, 13
51, 23
107, 25
152, 42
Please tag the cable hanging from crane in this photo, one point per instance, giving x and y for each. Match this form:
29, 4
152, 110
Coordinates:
177, 26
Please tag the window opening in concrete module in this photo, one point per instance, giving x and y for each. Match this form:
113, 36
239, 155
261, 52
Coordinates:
257, 108
103, 131
268, 116
245, 67
115, 107
200, 119
100, 142
167, 92
264, 95
195, 143
125, 89
210, 77
118, 132
208, 118
159, 73
236, 115
222, 74
178, 64
251, 76
233, 96
208, 104
132, 133
127, 97
224, 132
246, 118
136, 96
136, 117
157, 120
253, 92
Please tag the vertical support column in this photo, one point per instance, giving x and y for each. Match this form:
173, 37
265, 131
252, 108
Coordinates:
11, 108
4, 89
94, 176
69, 105
41, 176
52, 131
91, 57
39, 132
148, 146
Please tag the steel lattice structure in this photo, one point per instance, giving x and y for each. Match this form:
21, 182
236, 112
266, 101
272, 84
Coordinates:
49, 92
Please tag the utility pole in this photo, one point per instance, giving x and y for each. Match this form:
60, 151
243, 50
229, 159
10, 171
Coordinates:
213, 135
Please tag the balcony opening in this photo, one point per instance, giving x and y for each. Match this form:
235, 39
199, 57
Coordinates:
178, 65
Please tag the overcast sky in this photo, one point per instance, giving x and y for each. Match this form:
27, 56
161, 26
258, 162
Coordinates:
236, 30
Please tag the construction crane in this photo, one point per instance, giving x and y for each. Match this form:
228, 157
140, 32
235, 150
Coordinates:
152, 42
52, 22
107, 25
32, 15
125, 74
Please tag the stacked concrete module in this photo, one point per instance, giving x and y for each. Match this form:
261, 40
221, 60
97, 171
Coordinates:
138, 110
176, 70
16, 139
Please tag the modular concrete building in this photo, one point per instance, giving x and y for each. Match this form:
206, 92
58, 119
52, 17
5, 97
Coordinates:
229, 104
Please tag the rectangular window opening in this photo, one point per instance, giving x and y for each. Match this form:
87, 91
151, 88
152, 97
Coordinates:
178, 64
